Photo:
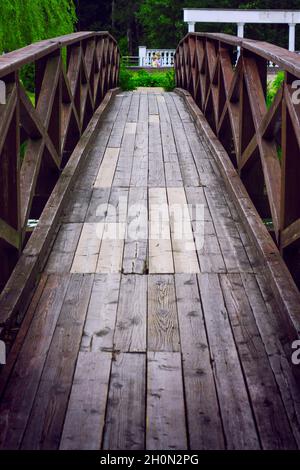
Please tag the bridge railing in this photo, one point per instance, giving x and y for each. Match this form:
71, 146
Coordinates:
39, 132
263, 142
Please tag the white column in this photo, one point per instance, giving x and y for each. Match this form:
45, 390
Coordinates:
240, 31
142, 55
292, 35
191, 26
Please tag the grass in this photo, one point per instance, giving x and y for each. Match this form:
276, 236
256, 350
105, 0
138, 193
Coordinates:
130, 80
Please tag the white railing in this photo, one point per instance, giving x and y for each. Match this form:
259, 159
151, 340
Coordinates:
156, 57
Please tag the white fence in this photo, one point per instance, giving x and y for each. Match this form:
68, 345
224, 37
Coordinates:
165, 57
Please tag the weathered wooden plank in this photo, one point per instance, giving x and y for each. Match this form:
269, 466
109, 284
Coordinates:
184, 250
160, 248
144, 108
252, 253
235, 256
166, 428
210, 256
186, 161
125, 415
162, 109
154, 119
271, 419
206, 241
107, 169
130, 128
100, 320
185, 116
64, 248
167, 137
136, 244
88, 174
156, 175
77, 206
117, 132
115, 108
163, 334
153, 108
198, 150
98, 205
125, 162
134, 108
237, 418
173, 173
203, 415
272, 329
46, 420
15, 407
86, 256
114, 230
139, 174
117, 208
112, 246
84, 422
130, 329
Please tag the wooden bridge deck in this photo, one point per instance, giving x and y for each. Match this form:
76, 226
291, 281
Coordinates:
142, 343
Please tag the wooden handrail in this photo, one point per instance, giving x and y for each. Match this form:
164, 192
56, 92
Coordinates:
263, 144
72, 74
14, 60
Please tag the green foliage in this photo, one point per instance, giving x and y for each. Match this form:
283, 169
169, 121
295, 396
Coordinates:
162, 22
159, 23
273, 86
23, 22
126, 79
131, 80
123, 46
27, 76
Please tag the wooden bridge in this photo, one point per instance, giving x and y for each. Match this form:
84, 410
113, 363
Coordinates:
122, 338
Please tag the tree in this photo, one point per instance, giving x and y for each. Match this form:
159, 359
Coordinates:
163, 26
94, 15
126, 24
23, 22
162, 23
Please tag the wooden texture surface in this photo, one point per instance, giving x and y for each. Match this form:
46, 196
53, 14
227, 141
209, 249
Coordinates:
137, 338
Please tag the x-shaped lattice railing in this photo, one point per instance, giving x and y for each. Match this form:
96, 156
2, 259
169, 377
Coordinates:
72, 75
227, 78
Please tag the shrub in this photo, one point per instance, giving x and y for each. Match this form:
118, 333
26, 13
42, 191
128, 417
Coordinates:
273, 86
126, 79
130, 80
